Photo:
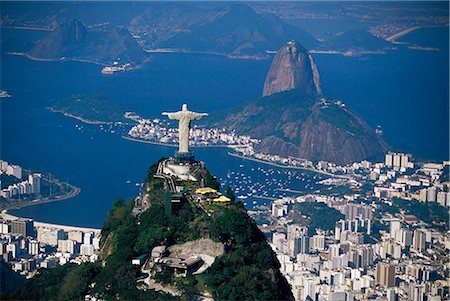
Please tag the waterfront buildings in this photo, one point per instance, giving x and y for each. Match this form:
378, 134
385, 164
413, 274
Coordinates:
23, 227
26, 252
23, 187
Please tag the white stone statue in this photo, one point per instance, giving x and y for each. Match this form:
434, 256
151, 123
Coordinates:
184, 118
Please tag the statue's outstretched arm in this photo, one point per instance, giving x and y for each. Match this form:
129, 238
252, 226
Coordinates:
198, 116
175, 115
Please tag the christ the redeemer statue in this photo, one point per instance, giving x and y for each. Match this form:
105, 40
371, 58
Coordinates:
184, 118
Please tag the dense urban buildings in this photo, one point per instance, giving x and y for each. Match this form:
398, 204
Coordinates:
32, 185
28, 246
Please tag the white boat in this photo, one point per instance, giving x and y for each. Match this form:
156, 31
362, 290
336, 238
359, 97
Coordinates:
4, 94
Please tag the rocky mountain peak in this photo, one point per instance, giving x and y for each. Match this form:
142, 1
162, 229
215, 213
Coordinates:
292, 68
72, 31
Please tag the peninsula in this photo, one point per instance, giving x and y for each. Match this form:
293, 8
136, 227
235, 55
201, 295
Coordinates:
90, 108
21, 188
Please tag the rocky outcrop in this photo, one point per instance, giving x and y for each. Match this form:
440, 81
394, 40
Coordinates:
293, 118
195, 247
292, 68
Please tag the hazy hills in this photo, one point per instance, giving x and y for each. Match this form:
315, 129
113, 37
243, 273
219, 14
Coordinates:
355, 40
232, 29
239, 31
73, 40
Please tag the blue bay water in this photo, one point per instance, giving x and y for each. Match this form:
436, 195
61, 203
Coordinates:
404, 92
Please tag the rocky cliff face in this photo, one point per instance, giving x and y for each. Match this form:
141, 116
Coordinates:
292, 68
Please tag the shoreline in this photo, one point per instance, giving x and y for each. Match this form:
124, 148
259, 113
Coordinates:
172, 145
30, 57
70, 191
229, 56
9, 217
74, 191
79, 118
148, 142
27, 28
67, 59
400, 34
239, 156
285, 166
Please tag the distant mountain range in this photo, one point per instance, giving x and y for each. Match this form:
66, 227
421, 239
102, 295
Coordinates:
119, 30
239, 31
293, 119
72, 40
355, 40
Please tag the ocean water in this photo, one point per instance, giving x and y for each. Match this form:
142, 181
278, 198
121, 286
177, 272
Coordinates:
405, 92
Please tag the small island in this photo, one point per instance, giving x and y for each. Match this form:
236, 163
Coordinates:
90, 108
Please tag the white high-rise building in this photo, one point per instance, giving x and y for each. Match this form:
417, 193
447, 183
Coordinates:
14, 170
5, 227
3, 165
35, 181
96, 243
88, 238
394, 228
317, 242
87, 250
397, 162
297, 240
33, 247
405, 161
389, 159
68, 246
431, 194
278, 240
419, 240
443, 198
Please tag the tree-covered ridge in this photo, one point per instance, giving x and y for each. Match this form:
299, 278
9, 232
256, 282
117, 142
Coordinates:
91, 108
293, 123
431, 213
318, 216
248, 270
9, 280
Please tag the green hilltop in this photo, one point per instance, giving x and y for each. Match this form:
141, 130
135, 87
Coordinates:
247, 270
91, 108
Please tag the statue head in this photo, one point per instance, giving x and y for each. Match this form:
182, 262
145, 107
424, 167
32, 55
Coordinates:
184, 107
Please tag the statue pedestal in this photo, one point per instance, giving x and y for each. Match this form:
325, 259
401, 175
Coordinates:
181, 170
